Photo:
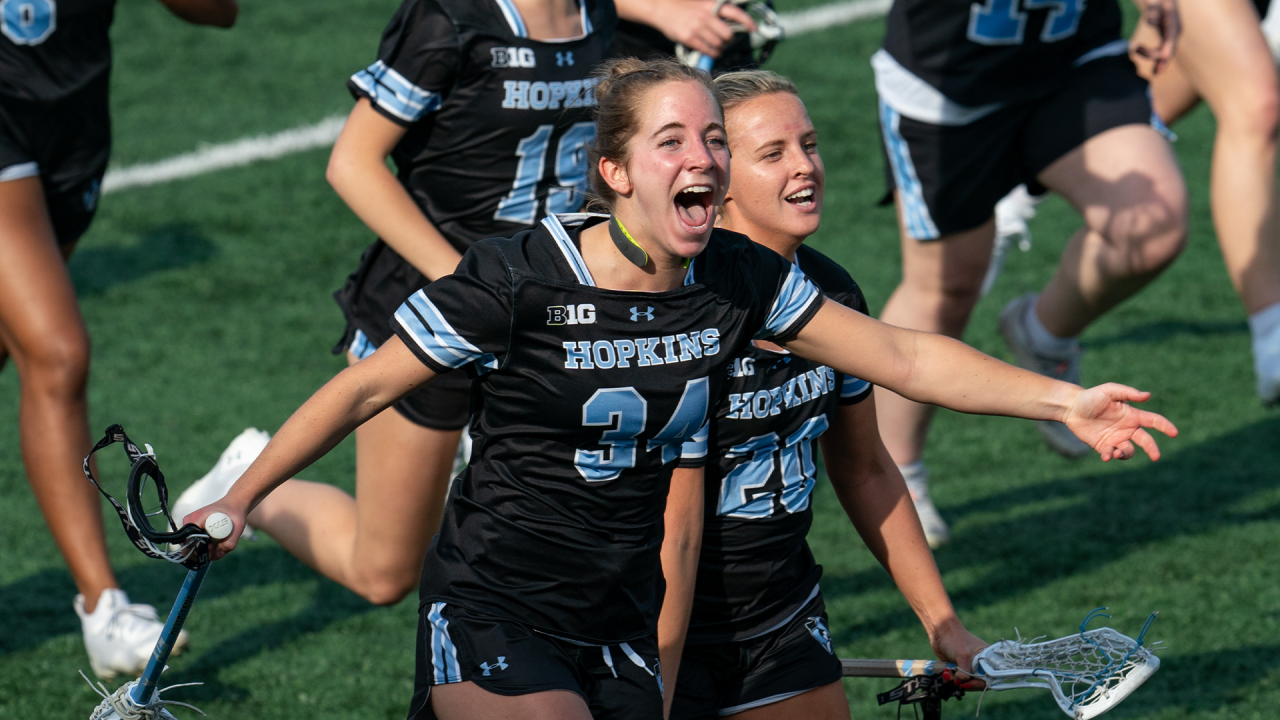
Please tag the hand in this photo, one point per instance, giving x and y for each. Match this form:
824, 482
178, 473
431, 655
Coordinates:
1154, 39
953, 643
1102, 417
696, 25
218, 549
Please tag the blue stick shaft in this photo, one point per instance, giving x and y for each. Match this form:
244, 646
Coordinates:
160, 656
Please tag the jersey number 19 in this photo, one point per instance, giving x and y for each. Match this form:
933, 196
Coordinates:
521, 204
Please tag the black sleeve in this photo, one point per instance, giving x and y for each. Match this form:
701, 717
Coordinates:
791, 297
417, 64
463, 319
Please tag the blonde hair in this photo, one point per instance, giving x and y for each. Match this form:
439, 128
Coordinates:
621, 84
744, 85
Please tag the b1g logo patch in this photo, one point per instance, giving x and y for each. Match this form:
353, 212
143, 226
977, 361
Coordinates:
584, 314
818, 629
513, 57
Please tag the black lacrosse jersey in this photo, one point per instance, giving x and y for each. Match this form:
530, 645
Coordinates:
497, 124
977, 53
51, 49
583, 400
760, 456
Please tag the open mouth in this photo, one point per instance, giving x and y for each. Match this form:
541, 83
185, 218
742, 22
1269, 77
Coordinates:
693, 205
802, 198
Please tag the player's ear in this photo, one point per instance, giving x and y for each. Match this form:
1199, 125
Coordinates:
615, 176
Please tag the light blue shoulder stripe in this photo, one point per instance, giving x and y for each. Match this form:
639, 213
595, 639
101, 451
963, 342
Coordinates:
797, 294
569, 250
512, 14
433, 334
395, 94
361, 346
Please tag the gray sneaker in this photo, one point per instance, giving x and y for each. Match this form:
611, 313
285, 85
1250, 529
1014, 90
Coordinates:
935, 528
1013, 326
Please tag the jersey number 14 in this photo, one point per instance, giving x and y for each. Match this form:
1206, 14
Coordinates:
521, 204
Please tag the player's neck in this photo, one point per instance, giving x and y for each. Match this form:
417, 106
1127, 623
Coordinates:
613, 271
551, 19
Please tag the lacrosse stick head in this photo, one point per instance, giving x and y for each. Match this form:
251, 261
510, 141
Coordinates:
120, 705
1088, 673
745, 50
145, 514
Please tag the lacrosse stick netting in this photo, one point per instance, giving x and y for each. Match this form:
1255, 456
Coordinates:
1088, 673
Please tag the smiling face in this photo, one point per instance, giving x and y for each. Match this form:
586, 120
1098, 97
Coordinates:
676, 173
776, 195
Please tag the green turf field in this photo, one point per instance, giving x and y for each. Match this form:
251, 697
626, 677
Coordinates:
208, 302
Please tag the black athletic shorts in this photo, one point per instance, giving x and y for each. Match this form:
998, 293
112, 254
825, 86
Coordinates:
369, 299
618, 682
66, 143
727, 678
950, 177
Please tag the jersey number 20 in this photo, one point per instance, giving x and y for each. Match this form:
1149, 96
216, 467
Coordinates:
626, 412
1000, 22
28, 22
742, 494
521, 204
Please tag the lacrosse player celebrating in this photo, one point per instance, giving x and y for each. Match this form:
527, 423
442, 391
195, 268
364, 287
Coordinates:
485, 108
598, 343
55, 138
757, 642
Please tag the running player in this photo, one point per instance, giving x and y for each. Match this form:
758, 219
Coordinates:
976, 98
597, 343
1223, 58
757, 641
55, 137
485, 109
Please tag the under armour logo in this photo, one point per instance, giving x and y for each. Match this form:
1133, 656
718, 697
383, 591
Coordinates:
500, 665
564, 58
636, 314
818, 629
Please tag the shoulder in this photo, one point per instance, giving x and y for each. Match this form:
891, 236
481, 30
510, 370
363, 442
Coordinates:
831, 277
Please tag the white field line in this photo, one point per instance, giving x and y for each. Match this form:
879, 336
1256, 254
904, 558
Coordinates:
322, 134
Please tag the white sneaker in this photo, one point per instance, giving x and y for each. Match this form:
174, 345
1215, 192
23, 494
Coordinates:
1013, 326
237, 458
1266, 366
119, 635
936, 531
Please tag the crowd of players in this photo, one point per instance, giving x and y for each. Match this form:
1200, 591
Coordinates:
542, 573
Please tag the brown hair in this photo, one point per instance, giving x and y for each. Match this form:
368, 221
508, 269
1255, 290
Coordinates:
620, 85
744, 85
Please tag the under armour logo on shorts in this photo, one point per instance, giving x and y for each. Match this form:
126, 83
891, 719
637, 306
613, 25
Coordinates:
500, 665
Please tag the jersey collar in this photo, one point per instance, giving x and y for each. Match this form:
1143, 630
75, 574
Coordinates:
520, 30
556, 225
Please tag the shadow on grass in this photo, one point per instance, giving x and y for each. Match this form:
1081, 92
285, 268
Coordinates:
38, 607
1190, 492
1160, 331
95, 270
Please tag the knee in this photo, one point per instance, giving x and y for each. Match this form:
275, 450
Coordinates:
1255, 113
386, 588
57, 364
1150, 236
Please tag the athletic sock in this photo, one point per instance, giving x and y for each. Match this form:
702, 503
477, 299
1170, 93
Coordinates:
916, 475
1044, 342
1264, 326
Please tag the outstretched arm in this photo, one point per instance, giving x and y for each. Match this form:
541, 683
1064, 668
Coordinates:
941, 371
349, 399
681, 546
874, 496
221, 13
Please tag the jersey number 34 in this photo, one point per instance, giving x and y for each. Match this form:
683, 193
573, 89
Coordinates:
625, 411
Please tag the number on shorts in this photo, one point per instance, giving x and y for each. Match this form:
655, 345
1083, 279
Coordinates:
626, 413
28, 22
1000, 22
521, 204
741, 493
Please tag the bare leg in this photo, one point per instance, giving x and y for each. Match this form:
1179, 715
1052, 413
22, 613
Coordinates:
468, 701
825, 703
941, 280
1127, 186
1223, 57
41, 328
374, 543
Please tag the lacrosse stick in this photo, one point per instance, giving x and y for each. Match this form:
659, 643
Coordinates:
188, 546
745, 49
1088, 673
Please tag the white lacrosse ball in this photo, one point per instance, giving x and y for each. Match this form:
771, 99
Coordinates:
219, 526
